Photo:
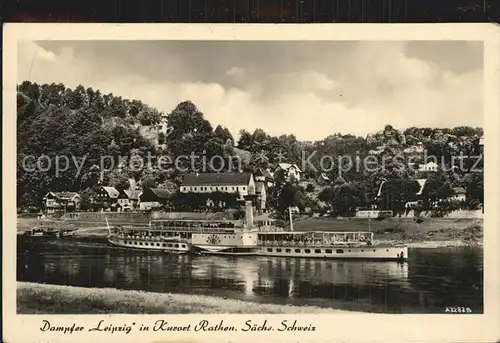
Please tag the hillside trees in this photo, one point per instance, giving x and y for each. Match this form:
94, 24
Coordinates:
102, 133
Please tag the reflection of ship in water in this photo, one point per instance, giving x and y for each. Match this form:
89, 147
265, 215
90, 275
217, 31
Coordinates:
430, 280
321, 272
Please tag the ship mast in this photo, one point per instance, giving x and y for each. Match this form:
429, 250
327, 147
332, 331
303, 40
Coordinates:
107, 225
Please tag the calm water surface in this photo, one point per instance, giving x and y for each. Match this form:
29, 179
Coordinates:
431, 280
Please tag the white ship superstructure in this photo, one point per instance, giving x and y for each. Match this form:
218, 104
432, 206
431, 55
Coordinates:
236, 237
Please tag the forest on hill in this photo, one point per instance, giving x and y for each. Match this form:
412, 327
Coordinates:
85, 125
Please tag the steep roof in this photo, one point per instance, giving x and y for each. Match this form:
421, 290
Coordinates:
112, 191
286, 166
459, 190
161, 192
216, 179
265, 173
64, 195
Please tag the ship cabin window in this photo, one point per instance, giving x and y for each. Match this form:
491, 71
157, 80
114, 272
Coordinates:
269, 249
349, 250
135, 243
374, 250
328, 251
317, 251
177, 245
307, 251
340, 251
362, 250
244, 188
288, 250
140, 243
157, 244
170, 245
278, 250
126, 242
194, 188
387, 250
164, 244
297, 251
183, 245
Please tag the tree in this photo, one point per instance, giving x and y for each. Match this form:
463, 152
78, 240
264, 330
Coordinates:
436, 189
245, 142
289, 196
223, 134
397, 192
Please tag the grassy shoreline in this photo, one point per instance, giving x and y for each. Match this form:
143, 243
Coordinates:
34, 298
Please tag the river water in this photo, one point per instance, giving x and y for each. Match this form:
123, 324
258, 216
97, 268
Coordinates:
431, 280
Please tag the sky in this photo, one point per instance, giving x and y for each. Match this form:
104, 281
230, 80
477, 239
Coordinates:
311, 89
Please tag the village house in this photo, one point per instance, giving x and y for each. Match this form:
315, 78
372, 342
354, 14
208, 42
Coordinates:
128, 199
289, 171
153, 198
107, 194
260, 191
61, 201
241, 183
264, 175
106, 198
481, 145
419, 194
459, 194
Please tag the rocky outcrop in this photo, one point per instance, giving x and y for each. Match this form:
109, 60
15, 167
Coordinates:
244, 156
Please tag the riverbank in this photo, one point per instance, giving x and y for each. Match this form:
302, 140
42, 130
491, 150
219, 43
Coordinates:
431, 233
33, 298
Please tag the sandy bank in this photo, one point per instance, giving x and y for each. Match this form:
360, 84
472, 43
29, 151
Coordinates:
33, 298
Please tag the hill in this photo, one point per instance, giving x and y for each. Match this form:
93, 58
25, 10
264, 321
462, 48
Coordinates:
78, 139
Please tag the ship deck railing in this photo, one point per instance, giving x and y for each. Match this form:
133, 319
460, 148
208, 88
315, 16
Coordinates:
149, 238
180, 229
310, 243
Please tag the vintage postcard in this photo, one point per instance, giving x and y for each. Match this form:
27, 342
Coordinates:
251, 183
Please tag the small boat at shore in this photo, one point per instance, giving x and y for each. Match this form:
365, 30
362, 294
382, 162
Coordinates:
238, 238
47, 232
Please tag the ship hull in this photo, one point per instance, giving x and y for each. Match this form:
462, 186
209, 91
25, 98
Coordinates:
379, 253
374, 253
148, 245
224, 250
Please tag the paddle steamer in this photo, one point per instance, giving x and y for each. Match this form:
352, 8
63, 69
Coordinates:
233, 237
148, 238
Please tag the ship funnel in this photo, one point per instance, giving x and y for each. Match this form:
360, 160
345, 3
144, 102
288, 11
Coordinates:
249, 213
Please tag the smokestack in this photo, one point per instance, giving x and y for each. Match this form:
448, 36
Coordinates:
249, 213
